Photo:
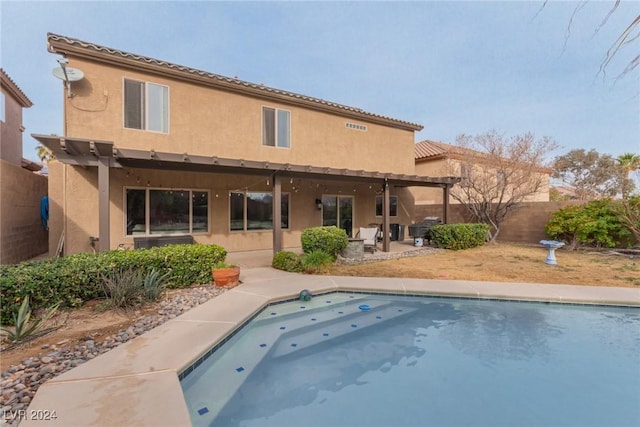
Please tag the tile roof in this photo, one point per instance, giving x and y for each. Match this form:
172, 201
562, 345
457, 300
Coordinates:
432, 150
12, 88
435, 149
67, 45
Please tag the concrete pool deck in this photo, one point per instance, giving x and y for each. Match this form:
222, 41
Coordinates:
137, 384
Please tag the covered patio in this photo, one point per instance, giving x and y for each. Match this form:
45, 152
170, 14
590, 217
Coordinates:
105, 156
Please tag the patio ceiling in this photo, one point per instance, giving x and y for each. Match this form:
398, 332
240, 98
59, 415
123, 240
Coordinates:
86, 152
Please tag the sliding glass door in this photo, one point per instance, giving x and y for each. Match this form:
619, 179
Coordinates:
338, 211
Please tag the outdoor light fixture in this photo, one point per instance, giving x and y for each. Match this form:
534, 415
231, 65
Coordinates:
319, 204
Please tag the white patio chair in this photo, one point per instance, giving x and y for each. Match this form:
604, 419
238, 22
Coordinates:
370, 236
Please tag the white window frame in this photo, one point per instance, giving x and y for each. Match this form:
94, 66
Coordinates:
147, 213
145, 125
244, 212
276, 126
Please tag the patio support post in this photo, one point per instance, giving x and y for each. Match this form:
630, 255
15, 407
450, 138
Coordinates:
445, 204
386, 241
277, 214
103, 203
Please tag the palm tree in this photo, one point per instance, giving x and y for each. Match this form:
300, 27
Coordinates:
629, 162
43, 153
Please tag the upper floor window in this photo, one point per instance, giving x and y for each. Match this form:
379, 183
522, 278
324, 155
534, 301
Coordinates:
276, 127
393, 205
146, 106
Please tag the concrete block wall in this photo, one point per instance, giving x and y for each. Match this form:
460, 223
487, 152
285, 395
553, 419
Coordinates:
21, 234
525, 225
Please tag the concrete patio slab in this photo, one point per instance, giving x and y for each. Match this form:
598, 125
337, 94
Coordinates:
189, 340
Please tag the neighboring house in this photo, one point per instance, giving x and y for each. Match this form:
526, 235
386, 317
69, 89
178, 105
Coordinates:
434, 158
158, 149
22, 235
560, 193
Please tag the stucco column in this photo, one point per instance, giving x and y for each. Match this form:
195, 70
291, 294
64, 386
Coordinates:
277, 214
103, 203
386, 240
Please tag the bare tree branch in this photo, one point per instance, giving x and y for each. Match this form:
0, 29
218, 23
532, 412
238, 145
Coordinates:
606, 18
615, 47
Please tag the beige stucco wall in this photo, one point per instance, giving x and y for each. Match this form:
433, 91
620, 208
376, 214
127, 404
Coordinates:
21, 233
206, 121
443, 167
10, 131
81, 219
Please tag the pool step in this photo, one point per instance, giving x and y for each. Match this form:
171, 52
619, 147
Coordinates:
231, 370
322, 332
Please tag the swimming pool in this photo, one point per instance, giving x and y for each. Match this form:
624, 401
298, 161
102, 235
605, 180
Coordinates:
422, 361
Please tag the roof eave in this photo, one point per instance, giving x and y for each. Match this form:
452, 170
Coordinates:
12, 88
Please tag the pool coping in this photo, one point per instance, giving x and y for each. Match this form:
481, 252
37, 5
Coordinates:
137, 382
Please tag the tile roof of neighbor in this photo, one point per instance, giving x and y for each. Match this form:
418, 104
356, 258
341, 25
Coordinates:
64, 45
435, 149
14, 90
431, 150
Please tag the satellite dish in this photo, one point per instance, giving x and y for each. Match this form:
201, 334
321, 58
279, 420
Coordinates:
68, 74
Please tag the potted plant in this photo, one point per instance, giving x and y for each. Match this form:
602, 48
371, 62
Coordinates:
226, 275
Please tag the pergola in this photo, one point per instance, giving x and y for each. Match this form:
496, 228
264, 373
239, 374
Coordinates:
105, 155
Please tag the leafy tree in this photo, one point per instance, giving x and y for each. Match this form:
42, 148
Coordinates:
498, 173
597, 223
630, 214
591, 174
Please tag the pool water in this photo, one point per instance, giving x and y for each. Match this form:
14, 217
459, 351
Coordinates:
352, 359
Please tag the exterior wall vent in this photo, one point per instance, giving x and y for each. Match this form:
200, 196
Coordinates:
356, 126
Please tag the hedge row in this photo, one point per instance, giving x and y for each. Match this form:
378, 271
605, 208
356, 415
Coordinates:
75, 279
459, 236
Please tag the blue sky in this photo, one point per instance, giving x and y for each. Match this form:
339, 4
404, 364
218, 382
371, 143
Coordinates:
454, 67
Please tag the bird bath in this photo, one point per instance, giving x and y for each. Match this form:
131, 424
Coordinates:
551, 245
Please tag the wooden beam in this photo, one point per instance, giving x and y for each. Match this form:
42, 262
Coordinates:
386, 239
103, 203
277, 214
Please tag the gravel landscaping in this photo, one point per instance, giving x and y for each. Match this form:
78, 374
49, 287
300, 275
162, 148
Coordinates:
19, 383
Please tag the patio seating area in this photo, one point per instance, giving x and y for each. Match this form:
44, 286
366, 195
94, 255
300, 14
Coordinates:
399, 249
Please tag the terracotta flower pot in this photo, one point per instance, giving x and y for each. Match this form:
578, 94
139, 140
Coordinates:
227, 276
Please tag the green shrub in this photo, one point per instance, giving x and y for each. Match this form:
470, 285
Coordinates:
75, 279
330, 240
153, 285
123, 288
459, 236
316, 262
287, 261
598, 223
26, 329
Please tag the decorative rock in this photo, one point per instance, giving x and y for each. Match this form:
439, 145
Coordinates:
20, 382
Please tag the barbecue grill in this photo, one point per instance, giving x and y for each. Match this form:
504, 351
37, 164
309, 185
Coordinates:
421, 229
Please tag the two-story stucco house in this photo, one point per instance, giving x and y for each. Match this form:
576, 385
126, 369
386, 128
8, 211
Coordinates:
155, 149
